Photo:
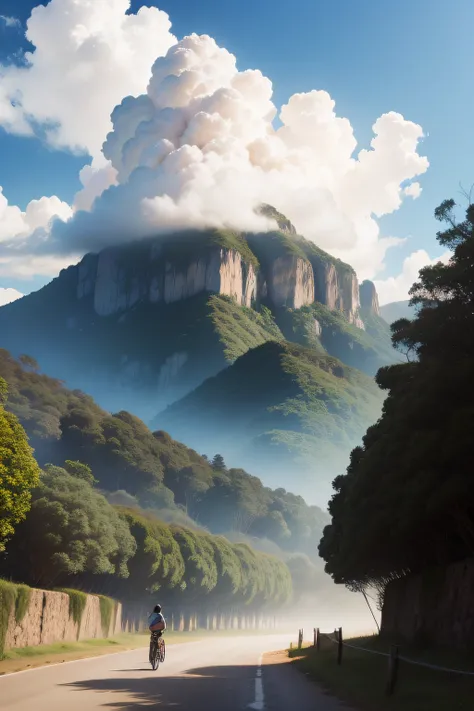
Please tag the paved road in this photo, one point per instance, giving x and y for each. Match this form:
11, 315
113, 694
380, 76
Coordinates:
221, 674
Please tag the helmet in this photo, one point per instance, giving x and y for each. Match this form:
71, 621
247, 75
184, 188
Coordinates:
157, 608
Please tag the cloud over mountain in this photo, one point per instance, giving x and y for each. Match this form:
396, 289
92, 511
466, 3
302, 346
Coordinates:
190, 141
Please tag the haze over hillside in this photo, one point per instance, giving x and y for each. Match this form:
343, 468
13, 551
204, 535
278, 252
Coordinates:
141, 325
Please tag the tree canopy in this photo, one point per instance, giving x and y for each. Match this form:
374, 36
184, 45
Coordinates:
18, 471
68, 429
71, 529
407, 500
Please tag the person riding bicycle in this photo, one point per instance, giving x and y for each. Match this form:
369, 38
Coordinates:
156, 622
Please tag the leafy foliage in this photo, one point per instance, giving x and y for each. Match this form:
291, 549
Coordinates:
18, 473
407, 500
71, 529
293, 409
153, 470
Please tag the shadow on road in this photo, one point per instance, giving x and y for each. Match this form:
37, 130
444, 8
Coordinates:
203, 689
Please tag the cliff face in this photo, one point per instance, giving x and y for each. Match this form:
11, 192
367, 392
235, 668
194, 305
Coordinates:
117, 287
338, 289
369, 300
290, 282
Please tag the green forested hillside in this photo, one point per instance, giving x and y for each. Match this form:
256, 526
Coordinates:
287, 407
161, 474
73, 536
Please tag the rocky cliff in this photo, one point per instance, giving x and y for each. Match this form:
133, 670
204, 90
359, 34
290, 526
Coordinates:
147, 321
116, 286
290, 283
369, 300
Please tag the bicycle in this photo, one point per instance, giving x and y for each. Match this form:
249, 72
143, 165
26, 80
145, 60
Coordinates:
157, 650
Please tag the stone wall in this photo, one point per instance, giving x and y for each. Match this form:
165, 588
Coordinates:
435, 607
47, 620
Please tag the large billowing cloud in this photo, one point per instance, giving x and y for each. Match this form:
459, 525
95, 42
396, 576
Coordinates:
397, 288
88, 55
193, 142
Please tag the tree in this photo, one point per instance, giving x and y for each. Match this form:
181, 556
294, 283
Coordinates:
70, 530
29, 362
218, 463
19, 471
80, 470
407, 500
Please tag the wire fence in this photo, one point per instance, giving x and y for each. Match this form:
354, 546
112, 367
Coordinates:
393, 656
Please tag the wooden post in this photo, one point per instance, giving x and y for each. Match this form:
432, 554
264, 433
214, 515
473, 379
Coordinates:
315, 637
339, 646
392, 670
300, 639
318, 640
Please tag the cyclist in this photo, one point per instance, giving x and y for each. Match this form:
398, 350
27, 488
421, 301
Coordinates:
156, 622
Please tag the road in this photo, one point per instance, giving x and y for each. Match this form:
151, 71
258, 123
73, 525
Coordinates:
212, 674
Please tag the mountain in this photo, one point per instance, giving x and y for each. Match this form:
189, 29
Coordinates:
285, 411
139, 468
396, 310
143, 324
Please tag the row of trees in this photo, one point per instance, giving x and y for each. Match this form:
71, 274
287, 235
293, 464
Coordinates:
73, 536
407, 500
162, 475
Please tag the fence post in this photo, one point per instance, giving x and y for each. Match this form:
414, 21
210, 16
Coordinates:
314, 637
392, 670
300, 639
318, 639
339, 646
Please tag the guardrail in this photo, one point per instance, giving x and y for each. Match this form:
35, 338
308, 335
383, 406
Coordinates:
393, 656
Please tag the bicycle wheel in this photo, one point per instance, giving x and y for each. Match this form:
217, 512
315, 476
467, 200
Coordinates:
162, 649
154, 655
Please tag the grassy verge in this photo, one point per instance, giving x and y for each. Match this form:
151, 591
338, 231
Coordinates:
361, 678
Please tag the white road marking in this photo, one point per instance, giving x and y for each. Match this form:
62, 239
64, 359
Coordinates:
259, 703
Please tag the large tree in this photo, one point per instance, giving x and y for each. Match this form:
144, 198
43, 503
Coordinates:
19, 471
407, 500
70, 530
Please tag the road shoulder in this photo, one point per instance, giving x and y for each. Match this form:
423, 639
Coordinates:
286, 687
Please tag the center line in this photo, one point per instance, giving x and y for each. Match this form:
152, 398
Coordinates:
259, 703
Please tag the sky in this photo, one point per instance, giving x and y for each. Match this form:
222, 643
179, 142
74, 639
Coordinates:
407, 61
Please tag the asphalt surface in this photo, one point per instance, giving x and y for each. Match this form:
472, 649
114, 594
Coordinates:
225, 674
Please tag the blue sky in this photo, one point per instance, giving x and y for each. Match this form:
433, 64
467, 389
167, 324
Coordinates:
412, 56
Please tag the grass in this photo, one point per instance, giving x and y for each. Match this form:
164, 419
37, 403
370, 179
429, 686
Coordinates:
360, 680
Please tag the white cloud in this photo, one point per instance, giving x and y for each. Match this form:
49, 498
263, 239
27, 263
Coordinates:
88, 55
413, 190
397, 288
10, 21
17, 228
199, 147
8, 295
